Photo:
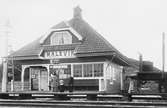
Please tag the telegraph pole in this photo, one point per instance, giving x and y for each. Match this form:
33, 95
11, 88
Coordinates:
163, 54
161, 83
4, 75
140, 63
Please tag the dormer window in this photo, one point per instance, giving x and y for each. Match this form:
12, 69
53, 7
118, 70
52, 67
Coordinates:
61, 38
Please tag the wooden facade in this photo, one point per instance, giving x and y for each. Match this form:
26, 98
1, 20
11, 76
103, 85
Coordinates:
71, 49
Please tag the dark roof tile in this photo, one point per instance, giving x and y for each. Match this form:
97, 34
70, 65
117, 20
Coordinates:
92, 41
32, 49
60, 25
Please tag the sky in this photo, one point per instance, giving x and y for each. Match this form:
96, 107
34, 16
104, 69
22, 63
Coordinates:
132, 26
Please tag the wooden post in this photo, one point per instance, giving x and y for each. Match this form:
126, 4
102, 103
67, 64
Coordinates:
141, 63
12, 81
122, 79
4, 76
22, 78
163, 54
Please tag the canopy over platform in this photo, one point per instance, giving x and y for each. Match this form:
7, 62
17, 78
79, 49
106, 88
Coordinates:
151, 75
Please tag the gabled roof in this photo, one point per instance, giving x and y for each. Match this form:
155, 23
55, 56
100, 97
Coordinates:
92, 42
31, 49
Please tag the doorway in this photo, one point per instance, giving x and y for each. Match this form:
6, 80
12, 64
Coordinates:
39, 79
44, 80
34, 79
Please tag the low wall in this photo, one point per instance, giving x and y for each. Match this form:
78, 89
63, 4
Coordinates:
17, 86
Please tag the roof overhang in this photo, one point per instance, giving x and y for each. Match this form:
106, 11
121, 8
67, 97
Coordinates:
109, 54
24, 57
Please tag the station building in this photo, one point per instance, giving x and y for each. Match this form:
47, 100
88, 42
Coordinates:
71, 49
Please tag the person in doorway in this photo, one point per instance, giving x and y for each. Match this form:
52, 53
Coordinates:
70, 84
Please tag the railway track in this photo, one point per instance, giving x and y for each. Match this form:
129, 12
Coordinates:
81, 104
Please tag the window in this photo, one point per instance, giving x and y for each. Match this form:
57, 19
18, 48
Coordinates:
98, 70
78, 70
88, 70
67, 70
27, 74
113, 73
61, 38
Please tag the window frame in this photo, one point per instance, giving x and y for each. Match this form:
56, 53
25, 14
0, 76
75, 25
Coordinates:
77, 70
93, 74
55, 38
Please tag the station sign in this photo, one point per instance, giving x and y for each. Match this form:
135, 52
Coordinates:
59, 54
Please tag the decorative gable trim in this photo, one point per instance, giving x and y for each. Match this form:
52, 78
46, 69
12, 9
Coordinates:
61, 29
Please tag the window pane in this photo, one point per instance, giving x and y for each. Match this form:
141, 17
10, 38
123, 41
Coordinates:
87, 70
77, 70
67, 70
98, 70
60, 38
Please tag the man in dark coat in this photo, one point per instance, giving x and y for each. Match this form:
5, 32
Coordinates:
70, 84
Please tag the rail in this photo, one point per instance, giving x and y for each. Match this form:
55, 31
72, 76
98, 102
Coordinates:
81, 104
87, 95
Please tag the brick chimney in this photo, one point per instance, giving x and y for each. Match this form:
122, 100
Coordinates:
77, 12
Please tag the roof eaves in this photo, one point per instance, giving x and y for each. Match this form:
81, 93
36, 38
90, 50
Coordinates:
122, 59
24, 57
90, 54
40, 52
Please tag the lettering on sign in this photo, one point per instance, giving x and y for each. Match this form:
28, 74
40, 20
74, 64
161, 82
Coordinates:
59, 66
59, 54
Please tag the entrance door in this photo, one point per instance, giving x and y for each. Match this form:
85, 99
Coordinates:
44, 80
34, 78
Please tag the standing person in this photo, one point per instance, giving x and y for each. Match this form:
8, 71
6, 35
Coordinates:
131, 86
131, 89
54, 82
31, 83
70, 84
61, 86
51, 82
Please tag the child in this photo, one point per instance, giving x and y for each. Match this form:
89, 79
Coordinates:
61, 86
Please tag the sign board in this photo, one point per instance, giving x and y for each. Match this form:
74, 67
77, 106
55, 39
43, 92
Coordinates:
54, 61
58, 66
59, 54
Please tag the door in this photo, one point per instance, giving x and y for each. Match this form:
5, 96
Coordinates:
34, 78
44, 80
